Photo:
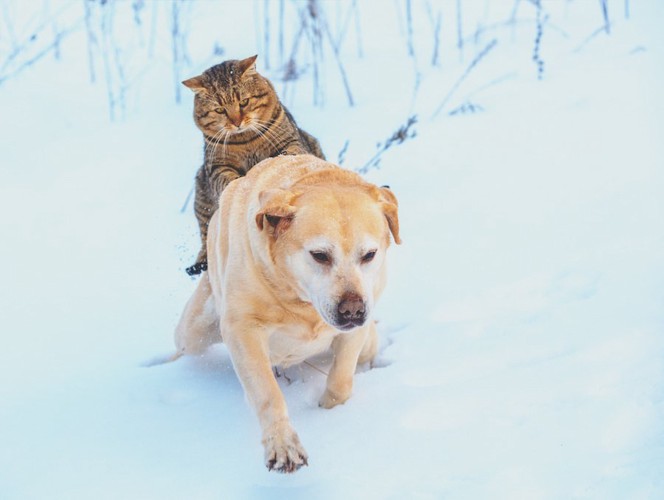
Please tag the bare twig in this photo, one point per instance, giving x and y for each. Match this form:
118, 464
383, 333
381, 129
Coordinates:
266, 33
605, 15
358, 29
403, 133
466, 108
342, 27
341, 157
92, 40
314, 25
497, 26
589, 38
537, 57
319, 370
512, 20
9, 25
291, 70
436, 40
465, 74
495, 81
340, 66
23, 65
179, 35
56, 32
153, 31
436, 23
459, 30
106, 26
26, 50
281, 32
175, 43
138, 6
186, 201
311, 26
409, 28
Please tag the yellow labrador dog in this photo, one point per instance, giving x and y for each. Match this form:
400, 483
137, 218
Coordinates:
296, 256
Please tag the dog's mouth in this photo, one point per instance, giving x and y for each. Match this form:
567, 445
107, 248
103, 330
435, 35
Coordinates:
349, 313
347, 326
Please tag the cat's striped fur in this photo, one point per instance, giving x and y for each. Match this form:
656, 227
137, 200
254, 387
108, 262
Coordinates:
243, 122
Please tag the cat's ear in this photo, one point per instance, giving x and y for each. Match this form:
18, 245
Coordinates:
390, 206
195, 84
276, 211
248, 66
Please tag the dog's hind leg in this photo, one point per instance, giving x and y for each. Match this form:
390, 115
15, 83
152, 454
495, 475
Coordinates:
199, 324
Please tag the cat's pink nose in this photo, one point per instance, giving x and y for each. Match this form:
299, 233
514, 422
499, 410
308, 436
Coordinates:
236, 119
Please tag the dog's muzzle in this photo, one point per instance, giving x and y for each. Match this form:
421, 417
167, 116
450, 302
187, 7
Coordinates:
351, 312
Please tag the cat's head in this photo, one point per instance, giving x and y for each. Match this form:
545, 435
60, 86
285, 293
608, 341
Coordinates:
232, 97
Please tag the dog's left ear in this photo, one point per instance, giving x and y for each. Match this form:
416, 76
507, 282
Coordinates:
390, 206
275, 209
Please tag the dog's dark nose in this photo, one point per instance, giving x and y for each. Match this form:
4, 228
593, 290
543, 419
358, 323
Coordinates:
351, 308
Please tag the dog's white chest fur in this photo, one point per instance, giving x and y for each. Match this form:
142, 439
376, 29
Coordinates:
292, 344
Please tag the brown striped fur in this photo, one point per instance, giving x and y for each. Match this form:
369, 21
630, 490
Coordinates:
243, 122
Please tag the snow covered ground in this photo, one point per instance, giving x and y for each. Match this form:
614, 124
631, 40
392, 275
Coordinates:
522, 325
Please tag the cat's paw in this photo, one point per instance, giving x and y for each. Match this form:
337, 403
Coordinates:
197, 268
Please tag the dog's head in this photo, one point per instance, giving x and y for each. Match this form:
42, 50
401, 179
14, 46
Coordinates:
329, 242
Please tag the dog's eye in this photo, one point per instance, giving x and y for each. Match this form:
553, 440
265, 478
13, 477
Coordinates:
321, 257
244, 102
369, 256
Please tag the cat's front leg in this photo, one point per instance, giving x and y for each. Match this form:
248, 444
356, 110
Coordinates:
294, 148
211, 180
204, 207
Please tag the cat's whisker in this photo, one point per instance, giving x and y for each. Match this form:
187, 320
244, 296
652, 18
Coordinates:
224, 146
274, 140
265, 129
211, 145
223, 134
265, 123
264, 134
222, 137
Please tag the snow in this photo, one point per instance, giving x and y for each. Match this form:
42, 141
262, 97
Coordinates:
522, 349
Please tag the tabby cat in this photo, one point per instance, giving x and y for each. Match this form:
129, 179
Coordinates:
243, 122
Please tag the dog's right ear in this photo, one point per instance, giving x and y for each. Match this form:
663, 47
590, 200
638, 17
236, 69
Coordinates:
390, 207
195, 84
276, 210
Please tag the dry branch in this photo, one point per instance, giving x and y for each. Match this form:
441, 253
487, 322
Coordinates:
403, 133
465, 74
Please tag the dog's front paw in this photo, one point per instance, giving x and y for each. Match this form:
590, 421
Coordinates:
283, 451
330, 399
